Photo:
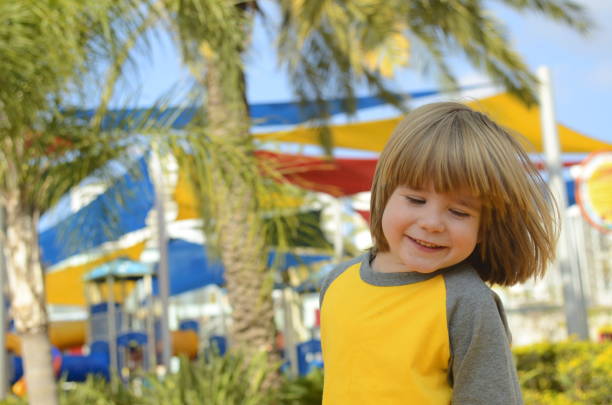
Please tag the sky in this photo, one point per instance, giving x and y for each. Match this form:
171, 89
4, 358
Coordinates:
581, 67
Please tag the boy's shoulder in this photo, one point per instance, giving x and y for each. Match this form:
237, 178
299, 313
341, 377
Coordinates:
464, 284
470, 300
468, 296
337, 271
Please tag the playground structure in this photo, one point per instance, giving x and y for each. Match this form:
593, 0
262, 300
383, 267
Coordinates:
70, 337
120, 339
122, 290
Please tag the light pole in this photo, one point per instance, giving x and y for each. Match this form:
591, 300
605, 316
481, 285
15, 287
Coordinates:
573, 293
162, 269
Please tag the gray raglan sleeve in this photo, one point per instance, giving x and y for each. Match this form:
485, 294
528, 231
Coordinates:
481, 368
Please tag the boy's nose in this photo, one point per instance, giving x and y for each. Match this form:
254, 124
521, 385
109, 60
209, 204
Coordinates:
432, 223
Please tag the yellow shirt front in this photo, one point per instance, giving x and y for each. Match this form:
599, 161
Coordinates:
385, 345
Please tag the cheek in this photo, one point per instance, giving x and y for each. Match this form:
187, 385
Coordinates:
391, 214
472, 236
388, 223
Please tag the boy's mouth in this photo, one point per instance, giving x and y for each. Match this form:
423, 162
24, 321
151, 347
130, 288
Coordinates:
425, 243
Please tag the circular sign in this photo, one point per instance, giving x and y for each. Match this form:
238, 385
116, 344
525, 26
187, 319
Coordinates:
594, 190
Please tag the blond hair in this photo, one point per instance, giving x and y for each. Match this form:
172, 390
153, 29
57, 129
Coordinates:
451, 146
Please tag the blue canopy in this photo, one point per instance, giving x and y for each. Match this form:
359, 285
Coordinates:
190, 266
262, 114
125, 206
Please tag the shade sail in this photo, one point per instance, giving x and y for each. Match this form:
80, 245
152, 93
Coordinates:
191, 265
504, 108
338, 177
262, 114
121, 209
65, 286
187, 201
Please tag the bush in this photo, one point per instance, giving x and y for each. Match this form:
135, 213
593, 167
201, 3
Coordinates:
568, 373
215, 380
306, 390
94, 391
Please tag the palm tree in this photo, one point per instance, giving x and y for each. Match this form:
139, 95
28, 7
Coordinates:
49, 52
328, 47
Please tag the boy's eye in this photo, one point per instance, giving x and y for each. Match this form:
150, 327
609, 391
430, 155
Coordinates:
415, 200
459, 214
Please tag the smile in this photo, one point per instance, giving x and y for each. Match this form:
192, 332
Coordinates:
425, 243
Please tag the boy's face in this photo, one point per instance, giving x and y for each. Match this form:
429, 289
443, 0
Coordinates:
427, 231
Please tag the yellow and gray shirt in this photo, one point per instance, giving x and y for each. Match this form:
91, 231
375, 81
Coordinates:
412, 338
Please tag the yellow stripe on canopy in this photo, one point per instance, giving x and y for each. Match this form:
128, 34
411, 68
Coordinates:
186, 199
66, 287
503, 108
512, 114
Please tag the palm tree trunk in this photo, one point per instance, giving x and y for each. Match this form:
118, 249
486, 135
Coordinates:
26, 283
242, 244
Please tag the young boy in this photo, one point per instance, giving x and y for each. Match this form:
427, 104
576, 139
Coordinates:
455, 203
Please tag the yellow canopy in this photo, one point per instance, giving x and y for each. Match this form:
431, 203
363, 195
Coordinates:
65, 286
503, 108
186, 199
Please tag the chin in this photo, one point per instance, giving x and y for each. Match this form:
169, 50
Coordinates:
419, 268
426, 270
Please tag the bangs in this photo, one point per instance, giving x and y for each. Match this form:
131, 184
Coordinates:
451, 155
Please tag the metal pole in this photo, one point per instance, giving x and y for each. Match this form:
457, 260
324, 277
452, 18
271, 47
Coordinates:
3, 317
289, 338
150, 322
573, 294
112, 327
162, 269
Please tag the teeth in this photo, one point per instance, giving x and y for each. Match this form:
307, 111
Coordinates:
426, 244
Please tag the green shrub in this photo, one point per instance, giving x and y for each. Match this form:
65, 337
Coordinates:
94, 391
307, 390
215, 380
566, 373
13, 400
532, 397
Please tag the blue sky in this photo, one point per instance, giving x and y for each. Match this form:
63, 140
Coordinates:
581, 67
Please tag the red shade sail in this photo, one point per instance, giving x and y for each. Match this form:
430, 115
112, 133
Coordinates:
338, 177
